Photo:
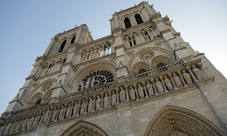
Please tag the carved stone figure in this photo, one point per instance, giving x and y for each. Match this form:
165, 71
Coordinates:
25, 123
46, 117
90, 104
62, 113
106, 100
7, 128
168, 83
122, 94
18, 127
69, 111
98, 103
1, 129
149, 87
159, 86
12, 129
75, 109
176, 80
187, 77
198, 73
30, 122
36, 121
114, 98
83, 107
132, 93
54, 114
140, 90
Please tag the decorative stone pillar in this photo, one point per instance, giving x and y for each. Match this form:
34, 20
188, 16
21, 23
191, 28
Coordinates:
170, 75
110, 99
117, 92
179, 73
126, 93
145, 89
190, 72
137, 96
163, 84
154, 87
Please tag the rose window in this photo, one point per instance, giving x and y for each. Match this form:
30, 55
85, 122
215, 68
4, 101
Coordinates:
95, 79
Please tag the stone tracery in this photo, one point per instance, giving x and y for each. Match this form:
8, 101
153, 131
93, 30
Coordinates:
96, 78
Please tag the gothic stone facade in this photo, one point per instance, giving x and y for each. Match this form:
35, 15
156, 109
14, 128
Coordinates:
142, 80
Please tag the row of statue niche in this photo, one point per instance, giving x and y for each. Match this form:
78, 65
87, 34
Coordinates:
140, 91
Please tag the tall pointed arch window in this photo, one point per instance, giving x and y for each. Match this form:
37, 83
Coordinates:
127, 23
62, 46
138, 19
73, 39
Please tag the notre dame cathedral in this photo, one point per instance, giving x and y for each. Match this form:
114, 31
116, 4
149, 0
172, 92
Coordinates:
141, 80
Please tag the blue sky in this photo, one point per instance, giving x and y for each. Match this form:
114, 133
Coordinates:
26, 28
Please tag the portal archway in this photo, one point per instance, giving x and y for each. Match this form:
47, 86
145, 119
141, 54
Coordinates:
83, 128
174, 121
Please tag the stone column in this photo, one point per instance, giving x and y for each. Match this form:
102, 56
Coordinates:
179, 73
137, 96
101, 106
126, 93
145, 89
190, 72
163, 84
170, 75
154, 87
117, 92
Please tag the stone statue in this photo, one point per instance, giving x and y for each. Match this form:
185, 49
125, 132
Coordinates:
75, 109
176, 80
19, 125
1, 129
106, 100
7, 128
168, 83
83, 107
159, 86
114, 98
36, 121
69, 111
54, 114
30, 122
98, 103
47, 115
132, 93
122, 94
198, 73
62, 113
149, 87
12, 129
25, 123
140, 90
187, 77
90, 104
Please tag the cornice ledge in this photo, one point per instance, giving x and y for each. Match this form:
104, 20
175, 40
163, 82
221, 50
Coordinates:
166, 31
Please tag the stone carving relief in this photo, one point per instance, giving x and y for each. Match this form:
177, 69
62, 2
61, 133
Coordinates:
147, 55
46, 87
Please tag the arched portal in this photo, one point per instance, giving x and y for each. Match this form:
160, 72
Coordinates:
83, 128
174, 121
